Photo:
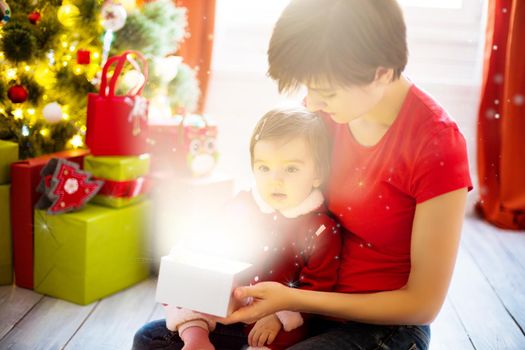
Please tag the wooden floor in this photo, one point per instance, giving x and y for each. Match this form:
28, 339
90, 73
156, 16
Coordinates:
485, 308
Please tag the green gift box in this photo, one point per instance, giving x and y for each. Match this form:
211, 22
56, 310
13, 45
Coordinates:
6, 252
117, 168
89, 254
8, 155
122, 187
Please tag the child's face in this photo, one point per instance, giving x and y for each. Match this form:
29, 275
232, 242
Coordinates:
285, 172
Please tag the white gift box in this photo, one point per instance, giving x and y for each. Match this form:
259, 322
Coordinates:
200, 282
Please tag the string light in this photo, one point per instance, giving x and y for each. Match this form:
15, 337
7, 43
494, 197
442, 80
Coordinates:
18, 113
65, 116
11, 73
27, 68
25, 131
31, 111
44, 132
76, 141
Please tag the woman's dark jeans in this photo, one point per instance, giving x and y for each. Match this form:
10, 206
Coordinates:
326, 335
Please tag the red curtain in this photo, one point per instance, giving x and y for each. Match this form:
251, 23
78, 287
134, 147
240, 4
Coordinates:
197, 48
501, 118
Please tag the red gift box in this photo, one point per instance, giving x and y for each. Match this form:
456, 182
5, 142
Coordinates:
117, 125
25, 177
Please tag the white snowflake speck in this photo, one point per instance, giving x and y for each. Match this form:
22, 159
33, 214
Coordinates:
518, 100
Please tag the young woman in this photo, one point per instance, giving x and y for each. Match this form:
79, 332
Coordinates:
399, 177
398, 185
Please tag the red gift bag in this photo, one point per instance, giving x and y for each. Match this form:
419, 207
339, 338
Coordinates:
25, 177
117, 125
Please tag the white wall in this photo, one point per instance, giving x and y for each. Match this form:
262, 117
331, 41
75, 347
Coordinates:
445, 52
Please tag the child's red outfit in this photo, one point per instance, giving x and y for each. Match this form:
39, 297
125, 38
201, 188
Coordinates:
299, 247
374, 190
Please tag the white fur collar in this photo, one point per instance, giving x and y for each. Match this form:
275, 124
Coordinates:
312, 202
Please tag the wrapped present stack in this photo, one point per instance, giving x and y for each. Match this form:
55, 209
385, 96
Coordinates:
80, 218
88, 254
8, 155
84, 254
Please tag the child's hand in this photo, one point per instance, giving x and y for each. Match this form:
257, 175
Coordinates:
264, 331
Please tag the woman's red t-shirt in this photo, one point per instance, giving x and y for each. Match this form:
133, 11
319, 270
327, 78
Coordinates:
374, 190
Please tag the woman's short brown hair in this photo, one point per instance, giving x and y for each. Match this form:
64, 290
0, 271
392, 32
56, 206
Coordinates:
286, 124
341, 42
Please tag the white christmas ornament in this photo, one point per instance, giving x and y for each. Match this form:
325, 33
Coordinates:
113, 17
52, 112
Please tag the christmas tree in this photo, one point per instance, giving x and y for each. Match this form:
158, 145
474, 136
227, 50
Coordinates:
51, 53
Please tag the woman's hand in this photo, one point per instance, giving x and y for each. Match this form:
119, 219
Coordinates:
268, 298
264, 331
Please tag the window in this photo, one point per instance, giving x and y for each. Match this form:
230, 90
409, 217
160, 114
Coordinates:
450, 4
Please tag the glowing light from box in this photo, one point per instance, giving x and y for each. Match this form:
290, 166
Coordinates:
206, 261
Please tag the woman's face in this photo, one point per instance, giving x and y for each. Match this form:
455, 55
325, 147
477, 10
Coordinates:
344, 104
285, 172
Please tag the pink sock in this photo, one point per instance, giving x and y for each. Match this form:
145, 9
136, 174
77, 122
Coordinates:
196, 338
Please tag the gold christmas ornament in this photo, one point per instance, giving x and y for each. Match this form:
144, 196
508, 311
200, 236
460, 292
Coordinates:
68, 15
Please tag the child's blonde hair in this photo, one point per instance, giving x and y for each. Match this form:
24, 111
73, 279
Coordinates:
288, 123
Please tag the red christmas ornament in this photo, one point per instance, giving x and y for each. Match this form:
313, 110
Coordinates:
65, 187
34, 17
17, 93
83, 56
